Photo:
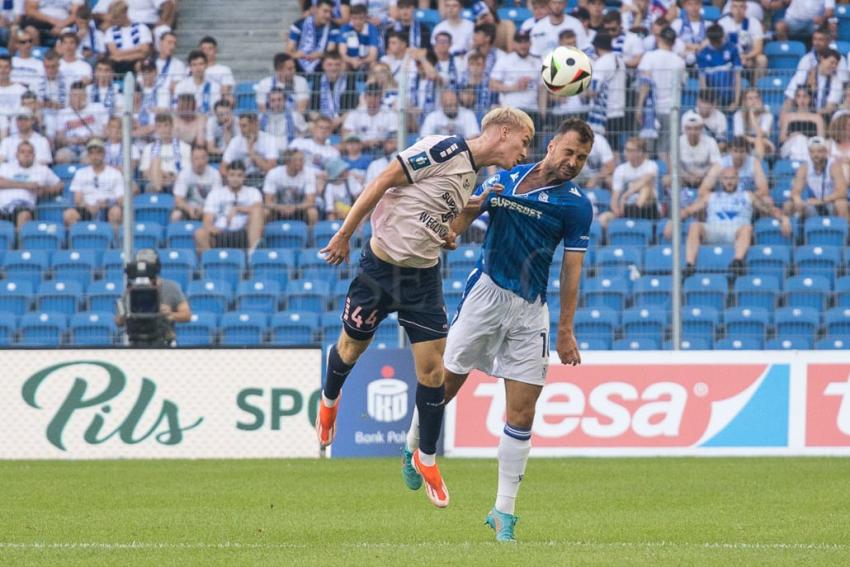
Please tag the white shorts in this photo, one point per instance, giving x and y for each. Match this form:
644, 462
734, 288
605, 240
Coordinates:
721, 233
499, 333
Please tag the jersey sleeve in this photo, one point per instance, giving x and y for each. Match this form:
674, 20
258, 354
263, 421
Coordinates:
432, 156
577, 229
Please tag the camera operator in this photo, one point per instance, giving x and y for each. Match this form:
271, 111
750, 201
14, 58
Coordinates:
147, 325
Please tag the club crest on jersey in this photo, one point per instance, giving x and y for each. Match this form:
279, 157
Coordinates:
514, 177
419, 161
543, 197
575, 191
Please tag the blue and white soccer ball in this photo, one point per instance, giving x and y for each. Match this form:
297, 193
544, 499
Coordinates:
566, 71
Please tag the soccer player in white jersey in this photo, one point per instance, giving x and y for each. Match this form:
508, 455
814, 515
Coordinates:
415, 199
502, 324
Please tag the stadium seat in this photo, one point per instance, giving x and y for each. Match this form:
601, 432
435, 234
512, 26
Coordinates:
338, 295
756, 291
825, 231
818, 260
198, 331
102, 295
65, 171
769, 231
641, 343
714, 258
26, 265
842, 292
181, 234
606, 292
772, 260
91, 235
307, 295
829, 343
700, 323
652, 291
246, 98
257, 295
515, 14
595, 323
614, 261
52, 210
590, 343
428, 17
330, 323
178, 265
659, 260
746, 323
789, 343
694, 343
153, 207
630, 232
388, 331
323, 231
642, 322
689, 92
8, 328
796, 322
706, 290
272, 265
772, 89
807, 291
837, 321
223, 264
74, 265
739, 343
295, 328
146, 235
15, 296
112, 262
463, 258
212, 296
42, 329
38, 235
243, 328
59, 297
783, 54
601, 198
452, 292
312, 264
7, 235
92, 329
286, 234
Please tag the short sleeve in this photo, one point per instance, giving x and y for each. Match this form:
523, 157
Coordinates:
270, 182
50, 177
211, 203
738, 124
618, 183
230, 153
77, 182
295, 31
145, 35
577, 227
430, 157
254, 196
181, 188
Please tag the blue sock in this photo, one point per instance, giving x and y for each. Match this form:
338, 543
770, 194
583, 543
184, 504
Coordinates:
336, 374
431, 404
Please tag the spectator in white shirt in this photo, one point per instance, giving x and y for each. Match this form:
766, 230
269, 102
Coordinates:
206, 91
78, 124
153, 13
746, 33
291, 190
92, 40
255, 149
539, 10
341, 190
10, 93
170, 70
40, 144
165, 157
52, 93
233, 214
516, 77
193, 185
103, 90
126, 42
450, 119
216, 72
698, 152
22, 182
691, 27
827, 87
48, 17
26, 69
71, 67
370, 124
390, 149
754, 121
317, 150
544, 34
283, 123
713, 120
633, 186
460, 29
821, 41
482, 43
97, 189
284, 77
599, 167
221, 129
802, 17
114, 146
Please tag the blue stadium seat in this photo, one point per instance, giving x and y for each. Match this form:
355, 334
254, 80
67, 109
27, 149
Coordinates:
323, 231
7, 235
591, 343
807, 291
258, 295
595, 323
650, 291
8, 328
243, 328
388, 331
91, 235
93, 329
26, 265
694, 343
274, 265
52, 210
38, 235
42, 329
307, 295
772, 260
706, 290
614, 261
181, 234
65, 171
837, 321
710, 13
15, 296
746, 322
785, 168
429, 17
147, 235
630, 232
295, 328
796, 322
452, 292
818, 260
153, 207
659, 259
641, 322
842, 292
638, 343
330, 323
769, 231
223, 264
829, 343
772, 89
756, 291
789, 343
689, 93
198, 331
74, 265
783, 54
714, 258
59, 297
212, 296
605, 292
842, 11
339, 293
464, 258
515, 14
112, 262
178, 265
313, 265
700, 323
246, 97
286, 234
102, 295
739, 343
825, 231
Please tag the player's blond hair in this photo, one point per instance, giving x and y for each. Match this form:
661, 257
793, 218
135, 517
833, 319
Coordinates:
506, 116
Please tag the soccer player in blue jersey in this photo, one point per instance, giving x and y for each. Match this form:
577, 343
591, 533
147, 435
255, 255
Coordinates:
502, 324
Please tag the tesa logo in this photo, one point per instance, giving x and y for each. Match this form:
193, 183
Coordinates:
828, 405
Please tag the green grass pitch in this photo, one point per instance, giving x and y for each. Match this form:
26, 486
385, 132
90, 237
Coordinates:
357, 512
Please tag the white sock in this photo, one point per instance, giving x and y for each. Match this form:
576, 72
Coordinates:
413, 432
513, 456
327, 402
426, 459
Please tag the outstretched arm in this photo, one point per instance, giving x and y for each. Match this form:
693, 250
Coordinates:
567, 346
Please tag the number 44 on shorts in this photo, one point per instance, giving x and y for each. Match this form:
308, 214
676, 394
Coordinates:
358, 321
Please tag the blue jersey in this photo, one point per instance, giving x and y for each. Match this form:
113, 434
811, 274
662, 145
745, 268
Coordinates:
525, 230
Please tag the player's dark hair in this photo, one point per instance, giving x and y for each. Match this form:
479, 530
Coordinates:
223, 103
360, 9
197, 54
611, 16
399, 4
251, 116
577, 125
163, 118
823, 30
403, 37
196, 146
208, 39
280, 59
739, 142
6, 57
487, 29
238, 164
706, 96
714, 32
26, 143
831, 54
77, 85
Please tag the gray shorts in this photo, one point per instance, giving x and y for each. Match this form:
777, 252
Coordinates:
720, 233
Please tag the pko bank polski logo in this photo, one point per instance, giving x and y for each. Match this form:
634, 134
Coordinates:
386, 398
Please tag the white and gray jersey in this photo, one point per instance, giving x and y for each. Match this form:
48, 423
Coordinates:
819, 183
734, 208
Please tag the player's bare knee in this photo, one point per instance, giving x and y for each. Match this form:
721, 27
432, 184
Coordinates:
520, 417
350, 349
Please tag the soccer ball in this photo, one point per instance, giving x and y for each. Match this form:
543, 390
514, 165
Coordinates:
566, 71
